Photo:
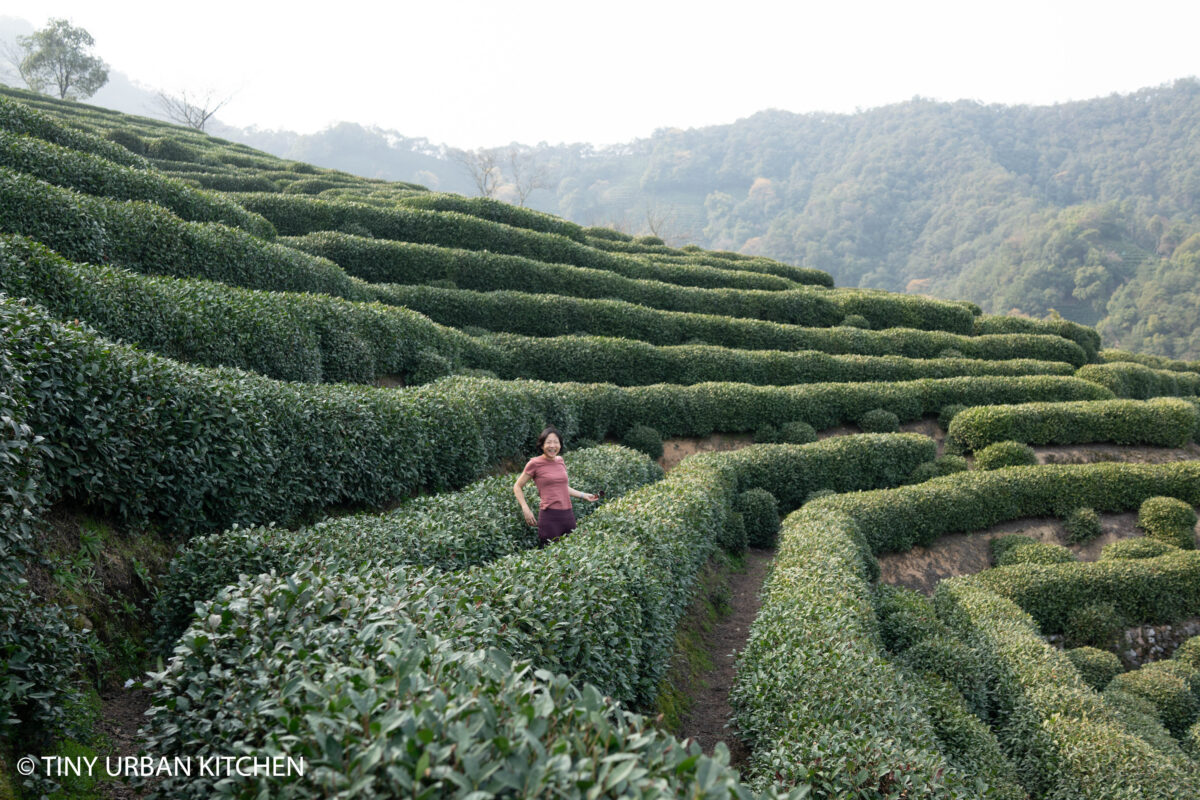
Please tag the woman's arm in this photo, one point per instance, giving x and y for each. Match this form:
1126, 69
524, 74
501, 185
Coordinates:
591, 498
519, 491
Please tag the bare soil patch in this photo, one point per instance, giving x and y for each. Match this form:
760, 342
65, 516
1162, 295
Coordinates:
967, 553
1095, 453
123, 711
677, 449
707, 721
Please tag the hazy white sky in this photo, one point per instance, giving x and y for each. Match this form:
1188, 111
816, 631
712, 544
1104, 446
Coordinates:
480, 73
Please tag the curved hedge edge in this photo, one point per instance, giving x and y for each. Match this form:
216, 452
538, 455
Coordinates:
1162, 422
1138, 382
1062, 736
814, 696
1085, 337
894, 520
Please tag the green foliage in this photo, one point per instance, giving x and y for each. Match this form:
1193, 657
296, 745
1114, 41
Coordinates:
1165, 422
516, 309
1093, 625
1082, 525
760, 515
797, 432
1020, 549
645, 439
1058, 732
813, 695
1085, 337
948, 414
1169, 520
1136, 548
856, 321
19, 118
57, 58
1005, 454
494, 210
1168, 688
766, 434
1189, 653
1127, 379
1096, 667
732, 538
879, 420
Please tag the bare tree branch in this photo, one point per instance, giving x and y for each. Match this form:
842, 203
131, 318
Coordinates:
194, 111
526, 173
483, 167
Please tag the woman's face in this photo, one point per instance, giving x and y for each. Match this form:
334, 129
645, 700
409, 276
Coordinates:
552, 445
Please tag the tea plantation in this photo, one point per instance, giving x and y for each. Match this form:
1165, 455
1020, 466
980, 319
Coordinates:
292, 401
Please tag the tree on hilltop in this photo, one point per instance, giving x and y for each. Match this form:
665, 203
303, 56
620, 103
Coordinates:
194, 111
57, 57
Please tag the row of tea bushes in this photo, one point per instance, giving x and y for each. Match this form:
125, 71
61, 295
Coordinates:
20, 118
1085, 337
149, 238
496, 211
722, 259
1163, 422
626, 362
557, 315
300, 337
897, 519
98, 176
1127, 379
817, 700
292, 651
1061, 735
316, 338
388, 262
1110, 356
448, 531
1142, 590
298, 215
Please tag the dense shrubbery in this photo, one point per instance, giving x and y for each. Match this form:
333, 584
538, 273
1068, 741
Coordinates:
1062, 737
1169, 687
299, 215
1135, 381
879, 420
99, 176
814, 695
1085, 337
449, 531
1109, 356
1169, 520
382, 262
644, 439
1135, 548
897, 519
494, 210
1005, 454
557, 314
1165, 422
1019, 549
624, 362
1096, 667
148, 238
1082, 525
21, 119
760, 516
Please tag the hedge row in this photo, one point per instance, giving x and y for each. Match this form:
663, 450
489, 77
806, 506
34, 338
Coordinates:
720, 259
1085, 337
433, 714
1110, 356
298, 337
1143, 590
148, 238
895, 520
495, 211
383, 262
95, 175
21, 119
815, 696
233, 182
1063, 738
601, 605
202, 449
626, 362
557, 315
316, 338
99, 176
447, 531
1139, 382
1164, 422
299, 215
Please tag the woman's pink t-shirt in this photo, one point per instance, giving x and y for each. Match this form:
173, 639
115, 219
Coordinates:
550, 478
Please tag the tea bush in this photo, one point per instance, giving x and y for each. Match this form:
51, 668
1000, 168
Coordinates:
1168, 687
19, 118
645, 439
1135, 548
1096, 667
1138, 382
1087, 338
1005, 454
1161, 422
1169, 520
1082, 525
760, 515
879, 420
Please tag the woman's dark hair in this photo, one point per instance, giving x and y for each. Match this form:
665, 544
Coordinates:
550, 430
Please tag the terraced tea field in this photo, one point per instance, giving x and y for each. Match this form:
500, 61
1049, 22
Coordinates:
262, 420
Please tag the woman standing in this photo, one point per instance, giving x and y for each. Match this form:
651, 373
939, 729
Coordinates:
549, 474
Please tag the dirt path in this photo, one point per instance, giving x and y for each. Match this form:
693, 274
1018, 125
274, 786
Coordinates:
710, 710
123, 711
